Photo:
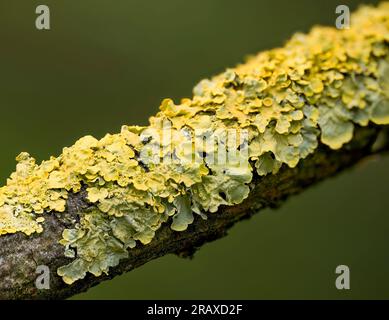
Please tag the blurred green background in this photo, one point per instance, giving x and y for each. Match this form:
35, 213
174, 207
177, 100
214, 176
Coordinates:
108, 63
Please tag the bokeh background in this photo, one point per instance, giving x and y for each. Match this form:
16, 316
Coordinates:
108, 63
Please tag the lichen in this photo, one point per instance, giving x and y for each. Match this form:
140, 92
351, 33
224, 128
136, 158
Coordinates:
269, 112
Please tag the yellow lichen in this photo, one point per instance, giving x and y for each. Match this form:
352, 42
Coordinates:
268, 112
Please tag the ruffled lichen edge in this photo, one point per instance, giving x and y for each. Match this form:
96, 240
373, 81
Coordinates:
277, 107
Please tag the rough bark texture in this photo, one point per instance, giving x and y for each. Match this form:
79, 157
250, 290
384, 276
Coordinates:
20, 254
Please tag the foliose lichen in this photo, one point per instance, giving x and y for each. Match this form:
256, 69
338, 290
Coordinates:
266, 113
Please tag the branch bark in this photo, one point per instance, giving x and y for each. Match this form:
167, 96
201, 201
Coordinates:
21, 254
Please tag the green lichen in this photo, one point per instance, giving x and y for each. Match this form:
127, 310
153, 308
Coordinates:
266, 113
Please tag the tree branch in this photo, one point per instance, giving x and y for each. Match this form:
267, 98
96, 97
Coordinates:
310, 110
20, 254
